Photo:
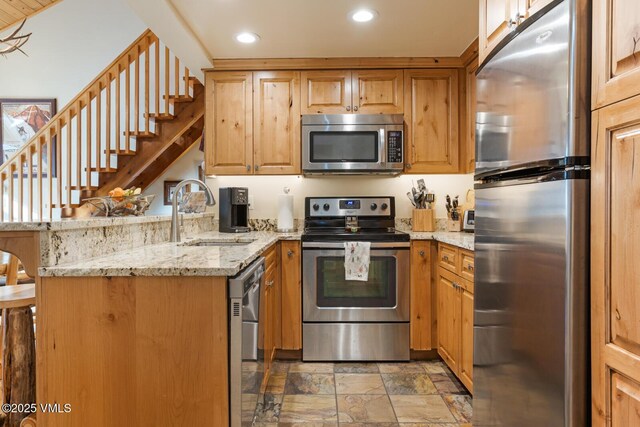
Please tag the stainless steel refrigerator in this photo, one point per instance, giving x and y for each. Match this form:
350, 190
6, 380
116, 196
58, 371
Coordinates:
531, 329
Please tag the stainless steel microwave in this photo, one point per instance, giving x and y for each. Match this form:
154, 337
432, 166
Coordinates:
352, 143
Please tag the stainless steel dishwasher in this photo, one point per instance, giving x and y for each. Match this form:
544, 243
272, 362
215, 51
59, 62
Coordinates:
246, 369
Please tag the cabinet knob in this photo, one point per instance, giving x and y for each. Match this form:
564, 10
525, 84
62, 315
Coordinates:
355, 108
256, 167
445, 258
248, 167
289, 253
270, 283
408, 166
512, 23
470, 267
421, 253
519, 18
348, 108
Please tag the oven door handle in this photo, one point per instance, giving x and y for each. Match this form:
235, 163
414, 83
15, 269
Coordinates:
340, 245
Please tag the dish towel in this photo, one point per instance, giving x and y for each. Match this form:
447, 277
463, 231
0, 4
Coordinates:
356, 260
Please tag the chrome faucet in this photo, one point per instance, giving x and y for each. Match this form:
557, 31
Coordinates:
175, 229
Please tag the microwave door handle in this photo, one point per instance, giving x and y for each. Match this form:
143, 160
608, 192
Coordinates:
381, 145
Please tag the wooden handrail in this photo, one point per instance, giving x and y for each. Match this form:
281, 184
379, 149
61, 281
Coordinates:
80, 139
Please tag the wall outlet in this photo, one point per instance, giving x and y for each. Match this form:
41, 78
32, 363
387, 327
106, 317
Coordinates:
251, 203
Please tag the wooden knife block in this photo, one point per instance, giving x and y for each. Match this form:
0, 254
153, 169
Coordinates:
423, 220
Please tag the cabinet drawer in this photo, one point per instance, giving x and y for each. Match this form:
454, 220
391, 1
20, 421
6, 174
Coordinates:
467, 267
448, 257
270, 257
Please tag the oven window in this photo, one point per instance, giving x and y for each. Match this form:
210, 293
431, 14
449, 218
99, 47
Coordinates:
335, 291
327, 147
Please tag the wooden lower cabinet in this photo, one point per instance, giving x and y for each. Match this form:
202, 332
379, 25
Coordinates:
423, 301
291, 300
615, 277
455, 314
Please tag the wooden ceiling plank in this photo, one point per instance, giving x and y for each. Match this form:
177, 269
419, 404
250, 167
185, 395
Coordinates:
9, 19
8, 8
24, 6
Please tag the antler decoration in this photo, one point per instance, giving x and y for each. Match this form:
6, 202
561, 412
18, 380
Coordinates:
14, 41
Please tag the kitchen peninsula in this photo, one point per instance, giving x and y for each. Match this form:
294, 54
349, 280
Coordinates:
143, 321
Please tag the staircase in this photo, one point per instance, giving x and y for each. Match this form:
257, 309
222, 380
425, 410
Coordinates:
124, 129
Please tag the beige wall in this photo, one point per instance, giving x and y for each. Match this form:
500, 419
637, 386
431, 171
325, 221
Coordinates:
264, 190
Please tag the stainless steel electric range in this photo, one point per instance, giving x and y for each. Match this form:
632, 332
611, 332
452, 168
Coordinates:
345, 320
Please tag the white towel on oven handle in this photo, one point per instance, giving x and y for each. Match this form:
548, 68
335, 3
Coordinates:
356, 260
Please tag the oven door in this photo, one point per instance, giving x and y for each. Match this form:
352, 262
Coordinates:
347, 149
328, 297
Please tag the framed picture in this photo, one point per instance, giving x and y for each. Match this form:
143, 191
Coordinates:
21, 120
170, 189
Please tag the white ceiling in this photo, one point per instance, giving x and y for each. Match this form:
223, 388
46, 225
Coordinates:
322, 28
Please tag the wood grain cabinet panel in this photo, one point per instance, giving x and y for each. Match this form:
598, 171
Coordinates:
616, 51
448, 257
469, 137
467, 265
422, 296
291, 283
431, 116
377, 91
625, 401
449, 312
276, 139
494, 24
466, 340
615, 248
326, 92
228, 123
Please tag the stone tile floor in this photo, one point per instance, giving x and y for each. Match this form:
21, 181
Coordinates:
416, 394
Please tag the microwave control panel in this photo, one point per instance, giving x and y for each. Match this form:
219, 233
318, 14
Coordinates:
394, 146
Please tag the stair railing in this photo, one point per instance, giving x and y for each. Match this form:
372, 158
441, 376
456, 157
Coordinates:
55, 167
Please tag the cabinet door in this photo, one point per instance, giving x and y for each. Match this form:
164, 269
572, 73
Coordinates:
495, 17
625, 402
431, 115
448, 257
469, 138
529, 7
616, 68
422, 314
377, 91
276, 139
466, 340
291, 295
326, 92
449, 311
228, 123
615, 249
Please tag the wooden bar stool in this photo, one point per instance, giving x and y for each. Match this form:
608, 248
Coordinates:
18, 373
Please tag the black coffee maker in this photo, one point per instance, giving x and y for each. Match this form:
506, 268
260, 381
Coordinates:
234, 210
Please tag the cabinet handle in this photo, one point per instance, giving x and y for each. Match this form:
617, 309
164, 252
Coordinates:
408, 166
470, 267
421, 253
289, 253
257, 167
355, 108
270, 283
445, 258
348, 108
513, 22
248, 168
520, 17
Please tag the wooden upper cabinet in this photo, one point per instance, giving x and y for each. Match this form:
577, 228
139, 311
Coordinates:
228, 123
431, 116
377, 91
615, 249
495, 17
615, 51
276, 138
326, 92
469, 137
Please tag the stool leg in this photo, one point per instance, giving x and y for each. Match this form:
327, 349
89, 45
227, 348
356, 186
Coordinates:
12, 271
19, 373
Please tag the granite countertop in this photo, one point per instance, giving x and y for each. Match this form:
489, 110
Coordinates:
177, 259
456, 238
91, 222
180, 259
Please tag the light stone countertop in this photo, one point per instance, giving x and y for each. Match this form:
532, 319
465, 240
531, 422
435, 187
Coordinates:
178, 259
456, 238
92, 222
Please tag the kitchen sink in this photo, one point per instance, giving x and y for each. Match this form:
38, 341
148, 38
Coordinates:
214, 242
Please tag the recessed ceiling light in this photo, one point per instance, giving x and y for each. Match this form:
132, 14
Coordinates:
247, 38
363, 15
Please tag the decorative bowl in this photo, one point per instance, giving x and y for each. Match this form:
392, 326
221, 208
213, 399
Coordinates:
120, 206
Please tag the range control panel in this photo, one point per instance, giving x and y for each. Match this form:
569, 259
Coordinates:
394, 146
349, 206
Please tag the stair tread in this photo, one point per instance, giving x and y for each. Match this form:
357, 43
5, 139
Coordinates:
180, 98
141, 134
162, 116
